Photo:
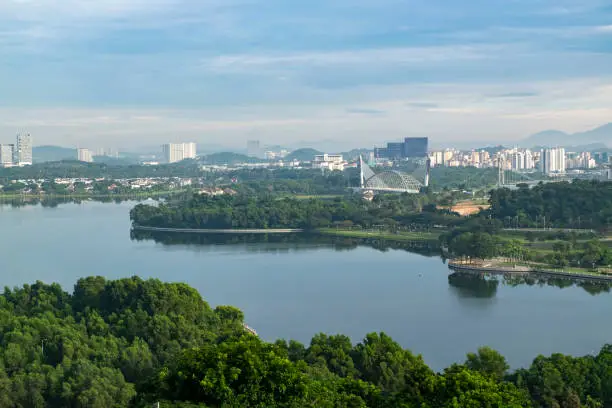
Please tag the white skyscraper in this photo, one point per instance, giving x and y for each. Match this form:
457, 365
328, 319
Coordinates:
175, 152
518, 161
553, 160
84, 155
529, 160
189, 150
7, 155
23, 149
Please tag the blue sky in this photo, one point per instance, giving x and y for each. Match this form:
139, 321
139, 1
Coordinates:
332, 73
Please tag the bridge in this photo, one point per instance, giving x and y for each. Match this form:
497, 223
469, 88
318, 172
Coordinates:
394, 181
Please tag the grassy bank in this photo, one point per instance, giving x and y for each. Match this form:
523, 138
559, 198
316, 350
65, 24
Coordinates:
84, 196
386, 235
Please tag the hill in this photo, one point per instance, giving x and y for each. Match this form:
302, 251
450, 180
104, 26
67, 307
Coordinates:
354, 154
42, 154
306, 154
601, 135
229, 158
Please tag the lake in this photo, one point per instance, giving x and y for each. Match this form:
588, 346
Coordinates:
294, 287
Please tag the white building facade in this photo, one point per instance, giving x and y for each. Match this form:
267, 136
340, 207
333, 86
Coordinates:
84, 155
23, 150
328, 161
175, 152
552, 161
7, 155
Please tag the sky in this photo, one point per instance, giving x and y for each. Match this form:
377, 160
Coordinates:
333, 74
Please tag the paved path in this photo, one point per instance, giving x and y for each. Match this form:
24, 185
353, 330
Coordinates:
221, 231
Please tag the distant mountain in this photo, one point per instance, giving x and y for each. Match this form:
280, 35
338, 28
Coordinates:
595, 137
354, 154
306, 154
42, 154
115, 161
228, 158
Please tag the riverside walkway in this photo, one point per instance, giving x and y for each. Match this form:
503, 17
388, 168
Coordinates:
220, 231
524, 270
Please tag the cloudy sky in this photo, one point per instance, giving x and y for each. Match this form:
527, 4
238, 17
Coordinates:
329, 73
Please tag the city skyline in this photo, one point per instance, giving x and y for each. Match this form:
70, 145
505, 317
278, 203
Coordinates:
342, 71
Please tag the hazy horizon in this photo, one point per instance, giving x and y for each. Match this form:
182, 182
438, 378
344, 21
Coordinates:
135, 73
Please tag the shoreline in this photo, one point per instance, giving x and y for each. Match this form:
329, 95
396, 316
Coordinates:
529, 271
219, 231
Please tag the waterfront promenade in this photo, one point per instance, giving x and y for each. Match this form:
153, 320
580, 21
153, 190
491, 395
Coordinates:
220, 231
525, 270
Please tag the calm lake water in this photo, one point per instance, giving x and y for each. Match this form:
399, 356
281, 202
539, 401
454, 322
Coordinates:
296, 289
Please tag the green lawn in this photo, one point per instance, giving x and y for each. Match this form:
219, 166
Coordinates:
403, 236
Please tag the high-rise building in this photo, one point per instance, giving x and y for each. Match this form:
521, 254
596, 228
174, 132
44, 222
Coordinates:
416, 146
7, 155
175, 152
517, 160
552, 160
189, 150
253, 148
23, 149
395, 150
84, 155
411, 147
529, 160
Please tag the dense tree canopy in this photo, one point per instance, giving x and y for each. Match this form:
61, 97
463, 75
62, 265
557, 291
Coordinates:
579, 204
225, 212
134, 343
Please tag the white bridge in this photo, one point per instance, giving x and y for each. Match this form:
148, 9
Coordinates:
394, 181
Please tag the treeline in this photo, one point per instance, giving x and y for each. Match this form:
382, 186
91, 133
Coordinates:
77, 169
579, 204
134, 343
243, 211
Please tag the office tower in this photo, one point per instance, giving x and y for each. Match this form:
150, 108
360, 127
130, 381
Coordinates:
380, 153
416, 147
411, 147
552, 160
7, 155
84, 155
395, 150
23, 149
253, 149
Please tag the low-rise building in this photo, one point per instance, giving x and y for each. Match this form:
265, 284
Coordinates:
328, 161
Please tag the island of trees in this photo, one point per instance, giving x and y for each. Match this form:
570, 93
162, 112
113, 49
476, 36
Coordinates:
136, 343
556, 225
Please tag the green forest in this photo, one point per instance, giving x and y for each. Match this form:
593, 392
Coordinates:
579, 204
245, 211
136, 343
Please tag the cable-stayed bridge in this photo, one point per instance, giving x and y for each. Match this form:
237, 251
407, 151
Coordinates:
395, 181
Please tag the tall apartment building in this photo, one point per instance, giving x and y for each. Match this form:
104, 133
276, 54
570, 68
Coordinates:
84, 155
189, 150
23, 150
175, 152
7, 155
552, 160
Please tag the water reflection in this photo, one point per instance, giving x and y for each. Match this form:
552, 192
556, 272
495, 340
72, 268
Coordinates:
283, 242
479, 285
55, 201
471, 285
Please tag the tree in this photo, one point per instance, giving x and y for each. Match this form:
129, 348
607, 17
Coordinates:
488, 362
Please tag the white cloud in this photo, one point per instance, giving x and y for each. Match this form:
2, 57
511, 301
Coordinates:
445, 112
349, 58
